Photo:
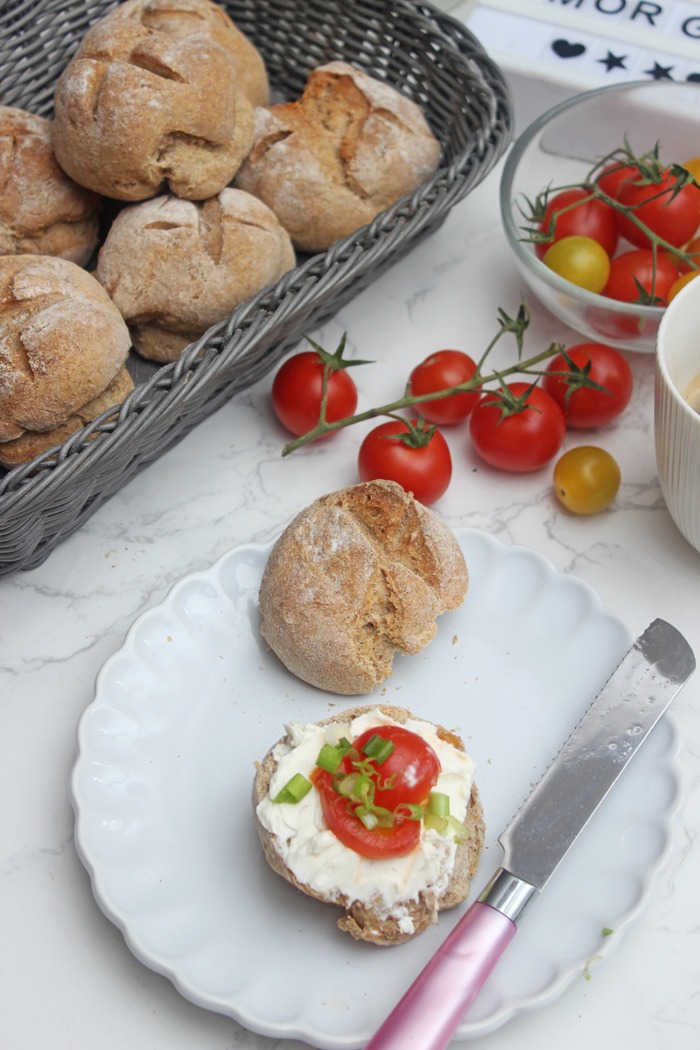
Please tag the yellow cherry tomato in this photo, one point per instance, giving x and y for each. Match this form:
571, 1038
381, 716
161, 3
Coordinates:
586, 479
580, 260
693, 166
681, 282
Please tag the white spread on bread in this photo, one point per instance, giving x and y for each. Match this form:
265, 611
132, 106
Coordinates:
318, 859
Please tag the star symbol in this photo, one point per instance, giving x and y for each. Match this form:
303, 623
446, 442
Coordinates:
660, 72
613, 61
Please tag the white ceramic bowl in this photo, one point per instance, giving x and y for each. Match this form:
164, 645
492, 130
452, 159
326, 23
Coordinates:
676, 424
560, 148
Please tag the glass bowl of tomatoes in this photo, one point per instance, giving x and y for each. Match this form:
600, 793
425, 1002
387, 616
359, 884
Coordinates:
600, 204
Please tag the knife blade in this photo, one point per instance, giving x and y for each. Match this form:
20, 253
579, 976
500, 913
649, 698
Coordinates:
540, 835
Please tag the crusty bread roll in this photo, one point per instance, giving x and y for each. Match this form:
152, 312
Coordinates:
145, 104
62, 341
357, 576
32, 442
42, 211
366, 916
174, 267
330, 162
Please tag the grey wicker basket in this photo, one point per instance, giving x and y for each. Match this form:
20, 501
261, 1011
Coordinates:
427, 55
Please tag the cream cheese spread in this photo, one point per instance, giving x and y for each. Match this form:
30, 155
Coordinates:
318, 859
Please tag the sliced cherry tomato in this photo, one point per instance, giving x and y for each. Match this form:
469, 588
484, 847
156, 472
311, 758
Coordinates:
387, 452
580, 260
585, 406
671, 214
405, 778
586, 479
520, 436
443, 369
636, 268
565, 217
297, 389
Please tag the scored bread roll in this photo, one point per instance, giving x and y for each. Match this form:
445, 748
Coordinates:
42, 211
174, 267
62, 341
383, 902
139, 108
329, 162
359, 575
32, 442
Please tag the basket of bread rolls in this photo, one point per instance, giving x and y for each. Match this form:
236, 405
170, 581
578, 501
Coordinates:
188, 187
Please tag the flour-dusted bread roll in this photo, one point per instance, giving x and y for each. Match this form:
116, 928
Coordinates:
33, 442
42, 211
152, 100
383, 901
359, 575
62, 341
174, 268
330, 162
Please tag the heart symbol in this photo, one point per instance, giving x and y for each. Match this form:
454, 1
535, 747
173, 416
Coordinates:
565, 49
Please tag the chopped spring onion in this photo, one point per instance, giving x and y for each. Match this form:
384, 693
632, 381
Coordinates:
375, 817
439, 804
329, 758
294, 790
356, 786
378, 749
409, 811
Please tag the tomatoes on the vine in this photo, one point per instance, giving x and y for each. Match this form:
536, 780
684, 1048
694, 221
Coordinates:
586, 479
297, 389
444, 369
583, 405
577, 213
519, 428
669, 212
410, 453
402, 780
613, 175
580, 260
641, 276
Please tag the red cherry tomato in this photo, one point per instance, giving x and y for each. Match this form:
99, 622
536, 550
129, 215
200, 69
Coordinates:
524, 440
297, 389
673, 216
441, 370
406, 777
594, 219
425, 471
636, 267
612, 177
583, 406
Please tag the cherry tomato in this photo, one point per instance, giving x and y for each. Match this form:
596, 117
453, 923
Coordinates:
580, 260
515, 440
612, 177
585, 406
297, 389
685, 278
673, 216
564, 217
425, 471
693, 166
586, 479
692, 248
636, 267
406, 777
441, 370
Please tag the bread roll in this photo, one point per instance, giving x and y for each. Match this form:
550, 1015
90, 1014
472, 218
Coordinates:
174, 268
62, 341
140, 108
42, 211
32, 443
359, 575
401, 898
330, 162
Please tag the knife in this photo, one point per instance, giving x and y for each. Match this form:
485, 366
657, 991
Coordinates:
628, 707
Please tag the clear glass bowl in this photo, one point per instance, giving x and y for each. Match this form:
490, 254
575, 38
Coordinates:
561, 147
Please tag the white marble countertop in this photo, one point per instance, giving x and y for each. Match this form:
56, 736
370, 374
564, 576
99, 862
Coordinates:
68, 980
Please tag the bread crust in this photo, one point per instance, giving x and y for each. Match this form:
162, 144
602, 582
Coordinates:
174, 267
330, 161
361, 920
143, 107
359, 575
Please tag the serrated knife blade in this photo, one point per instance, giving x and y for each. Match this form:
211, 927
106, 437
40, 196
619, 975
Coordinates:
629, 705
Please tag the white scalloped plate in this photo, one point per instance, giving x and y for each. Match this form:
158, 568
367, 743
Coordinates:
161, 790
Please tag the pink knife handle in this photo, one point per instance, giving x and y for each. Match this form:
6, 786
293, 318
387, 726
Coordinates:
432, 1008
